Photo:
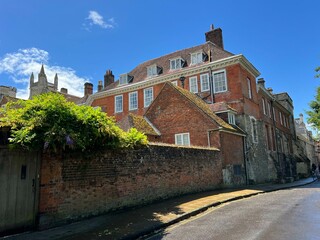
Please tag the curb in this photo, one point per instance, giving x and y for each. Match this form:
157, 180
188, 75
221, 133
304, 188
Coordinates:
150, 231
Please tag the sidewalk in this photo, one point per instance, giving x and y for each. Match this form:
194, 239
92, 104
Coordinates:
137, 222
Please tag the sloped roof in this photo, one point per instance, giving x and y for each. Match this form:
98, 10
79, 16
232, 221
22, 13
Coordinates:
138, 122
221, 107
202, 106
4, 99
140, 72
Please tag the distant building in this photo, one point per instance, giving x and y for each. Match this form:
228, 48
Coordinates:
43, 86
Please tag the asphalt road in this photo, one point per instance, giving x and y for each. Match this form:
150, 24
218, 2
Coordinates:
285, 214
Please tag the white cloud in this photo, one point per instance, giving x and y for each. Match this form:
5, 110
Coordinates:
19, 66
95, 18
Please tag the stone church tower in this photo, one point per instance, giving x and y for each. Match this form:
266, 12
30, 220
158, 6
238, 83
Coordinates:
42, 85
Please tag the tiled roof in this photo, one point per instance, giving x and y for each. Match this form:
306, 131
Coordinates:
203, 106
140, 72
221, 107
138, 122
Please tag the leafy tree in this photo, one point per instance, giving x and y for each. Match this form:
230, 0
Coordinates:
314, 113
49, 121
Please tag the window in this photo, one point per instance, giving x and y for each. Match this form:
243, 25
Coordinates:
148, 96
254, 129
125, 78
264, 106
231, 118
269, 109
249, 88
196, 58
220, 82
133, 100
118, 103
182, 139
175, 83
280, 116
274, 114
204, 78
152, 71
176, 63
268, 138
193, 82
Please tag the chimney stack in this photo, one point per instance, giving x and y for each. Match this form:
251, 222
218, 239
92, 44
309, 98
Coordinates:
64, 90
270, 90
100, 86
88, 88
215, 36
108, 78
261, 82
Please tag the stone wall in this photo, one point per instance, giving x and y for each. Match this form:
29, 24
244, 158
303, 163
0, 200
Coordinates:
72, 188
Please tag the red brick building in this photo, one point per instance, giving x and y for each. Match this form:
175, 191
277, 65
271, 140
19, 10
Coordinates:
208, 71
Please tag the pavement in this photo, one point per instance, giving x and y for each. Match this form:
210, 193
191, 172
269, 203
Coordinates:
138, 222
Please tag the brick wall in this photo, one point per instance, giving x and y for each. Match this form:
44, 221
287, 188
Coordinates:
73, 188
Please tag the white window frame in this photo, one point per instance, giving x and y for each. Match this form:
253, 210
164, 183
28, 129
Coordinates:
202, 80
231, 118
116, 110
274, 114
254, 129
152, 71
193, 84
123, 79
183, 137
176, 63
249, 88
147, 99
133, 106
264, 106
269, 109
214, 81
196, 58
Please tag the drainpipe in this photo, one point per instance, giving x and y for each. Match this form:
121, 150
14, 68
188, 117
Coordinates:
245, 160
208, 134
211, 84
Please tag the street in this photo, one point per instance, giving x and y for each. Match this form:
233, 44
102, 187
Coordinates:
286, 214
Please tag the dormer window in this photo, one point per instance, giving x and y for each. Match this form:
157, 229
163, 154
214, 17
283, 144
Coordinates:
198, 57
153, 70
125, 78
231, 118
176, 63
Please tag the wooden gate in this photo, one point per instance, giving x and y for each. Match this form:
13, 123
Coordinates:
19, 179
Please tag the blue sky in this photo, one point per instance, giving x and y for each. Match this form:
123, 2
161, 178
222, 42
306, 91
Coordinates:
80, 40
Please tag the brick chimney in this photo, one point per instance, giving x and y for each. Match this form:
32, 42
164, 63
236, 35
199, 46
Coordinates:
100, 86
64, 90
88, 88
215, 36
108, 78
261, 82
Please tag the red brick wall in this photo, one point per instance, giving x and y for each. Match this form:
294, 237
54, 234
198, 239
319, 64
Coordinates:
172, 113
231, 149
72, 187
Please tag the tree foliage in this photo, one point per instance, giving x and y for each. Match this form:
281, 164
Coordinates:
49, 121
314, 112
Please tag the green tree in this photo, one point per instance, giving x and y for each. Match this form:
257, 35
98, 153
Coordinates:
49, 121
